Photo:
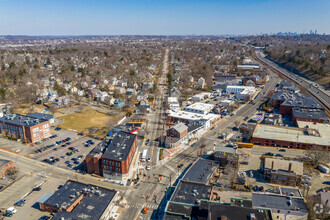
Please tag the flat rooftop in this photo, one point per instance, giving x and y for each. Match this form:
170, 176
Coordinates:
190, 193
22, 120
92, 206
120, 146
280, 202
309, 113
190, 116
281, 164
200, 106
292, 134
201, 171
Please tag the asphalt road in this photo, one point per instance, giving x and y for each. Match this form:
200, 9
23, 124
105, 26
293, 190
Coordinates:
149, 184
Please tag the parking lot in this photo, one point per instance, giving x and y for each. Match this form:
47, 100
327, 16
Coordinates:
65, 151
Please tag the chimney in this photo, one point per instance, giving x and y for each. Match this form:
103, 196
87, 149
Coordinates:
272, 165
290, 168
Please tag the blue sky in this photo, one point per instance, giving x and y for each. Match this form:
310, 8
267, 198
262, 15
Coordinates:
170, 17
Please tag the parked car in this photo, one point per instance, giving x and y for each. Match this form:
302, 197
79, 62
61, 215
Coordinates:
218, 184
147, 142
180, 165
38, 188
269, 154
279, 155
57, 128
45, 217
8, 214
326, 182
244, 162
282, 150
63, 156
76, 162
148, 167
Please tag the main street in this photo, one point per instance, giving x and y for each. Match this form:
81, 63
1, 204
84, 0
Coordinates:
149, 184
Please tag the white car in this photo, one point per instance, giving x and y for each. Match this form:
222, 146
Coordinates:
148, 167
12, 210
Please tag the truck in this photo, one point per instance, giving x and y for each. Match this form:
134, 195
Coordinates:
144, 155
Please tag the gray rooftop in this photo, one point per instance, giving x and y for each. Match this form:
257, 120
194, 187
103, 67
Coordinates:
276, 202
297, 100
3, 162
40, 116
200, 171
120, 146
309, 113
213, 210
22, 120
180, 127
190, 193
90, 207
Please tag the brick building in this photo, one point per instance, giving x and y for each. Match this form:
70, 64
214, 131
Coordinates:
301, 107
31, 129
284, 172
5, 165
178, 130
112, 156
307, 136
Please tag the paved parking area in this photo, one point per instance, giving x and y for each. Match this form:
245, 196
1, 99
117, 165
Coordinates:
30, 210
19, 189
62, 151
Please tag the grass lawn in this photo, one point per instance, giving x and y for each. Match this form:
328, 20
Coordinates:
82, 121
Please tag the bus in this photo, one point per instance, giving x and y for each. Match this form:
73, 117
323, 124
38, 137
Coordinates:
144, 155
241, 144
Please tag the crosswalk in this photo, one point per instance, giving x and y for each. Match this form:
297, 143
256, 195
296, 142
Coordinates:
141, 206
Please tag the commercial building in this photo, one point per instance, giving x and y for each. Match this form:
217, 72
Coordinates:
77, 200
173, 103
30, 129
113, 156
241, 92
310, 136
201, 96
5, 165
301, 107
280, 171
118, 157
288, 86
199, 108
283, 206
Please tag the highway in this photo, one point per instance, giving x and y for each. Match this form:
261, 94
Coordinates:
314, 90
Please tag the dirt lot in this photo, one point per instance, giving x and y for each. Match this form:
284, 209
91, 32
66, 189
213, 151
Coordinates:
89, 118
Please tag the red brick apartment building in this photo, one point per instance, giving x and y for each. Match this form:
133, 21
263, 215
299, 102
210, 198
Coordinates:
24, 127
114, 156
5, 165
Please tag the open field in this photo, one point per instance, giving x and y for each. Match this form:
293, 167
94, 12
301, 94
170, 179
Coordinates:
89, 118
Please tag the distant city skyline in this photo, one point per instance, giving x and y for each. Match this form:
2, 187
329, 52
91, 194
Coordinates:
146, 17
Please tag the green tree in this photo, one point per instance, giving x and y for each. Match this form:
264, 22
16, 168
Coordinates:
48, 61
36, 66
169, 78
60, 90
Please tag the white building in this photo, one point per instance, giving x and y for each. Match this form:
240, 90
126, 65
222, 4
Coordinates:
200, 96
173, 103
241, 92
199, 108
